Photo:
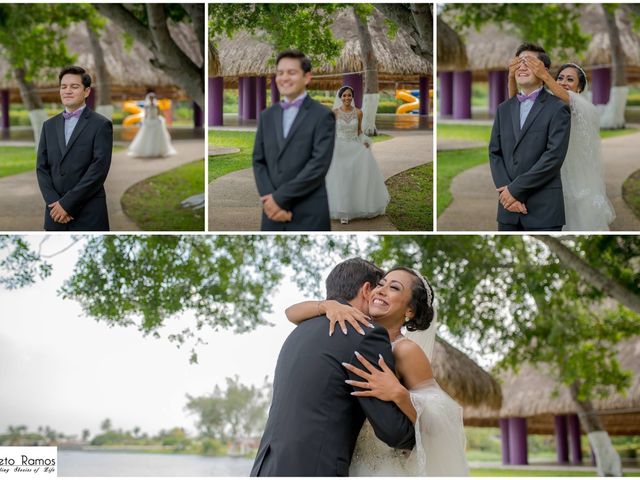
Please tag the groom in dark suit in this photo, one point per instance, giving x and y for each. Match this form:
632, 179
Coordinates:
74, 156
528, 144
314, 420
292, 152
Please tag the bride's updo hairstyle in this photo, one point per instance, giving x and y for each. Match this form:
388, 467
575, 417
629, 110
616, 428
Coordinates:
582, 77
344, 89
421, 301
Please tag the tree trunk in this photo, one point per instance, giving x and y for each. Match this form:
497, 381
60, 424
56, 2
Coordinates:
168, 56
370, 64
32, 101
102, 81
607, 459
612, 116
592, 275
406, 19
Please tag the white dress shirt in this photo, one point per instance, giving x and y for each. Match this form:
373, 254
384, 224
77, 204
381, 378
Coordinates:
70, 124
289, 115
525, 108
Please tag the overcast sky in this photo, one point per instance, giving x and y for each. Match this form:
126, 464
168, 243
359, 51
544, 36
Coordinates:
62, 369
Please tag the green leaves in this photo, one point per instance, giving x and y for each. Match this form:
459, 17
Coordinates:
20, 266
283, 25
554, 26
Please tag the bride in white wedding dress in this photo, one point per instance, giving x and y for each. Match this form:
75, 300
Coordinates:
355, 186
152, 140
402, 301
586, 205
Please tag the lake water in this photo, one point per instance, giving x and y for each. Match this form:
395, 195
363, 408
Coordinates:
102, 464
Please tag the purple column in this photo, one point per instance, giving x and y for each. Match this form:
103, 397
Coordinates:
4, 100
252, 97
574, 439
198, 116
518, 441
600, 85
241, 81
562, 440
462, 94
498, 89
504, 441
445, 89
424, 95
246, 98
261, 94
216, 101
275, 93
354, 80
91, 99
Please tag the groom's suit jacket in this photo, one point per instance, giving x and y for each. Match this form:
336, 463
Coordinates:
528, 160
74, 174
314, 420
292, 169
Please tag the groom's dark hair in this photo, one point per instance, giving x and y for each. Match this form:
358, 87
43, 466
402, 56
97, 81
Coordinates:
347, 277
86, 78
305, 63
532, 47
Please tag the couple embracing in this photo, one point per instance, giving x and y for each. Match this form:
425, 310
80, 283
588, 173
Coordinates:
362, 402
544, 151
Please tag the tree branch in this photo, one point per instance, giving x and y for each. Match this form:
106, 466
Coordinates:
127, 20
592, 275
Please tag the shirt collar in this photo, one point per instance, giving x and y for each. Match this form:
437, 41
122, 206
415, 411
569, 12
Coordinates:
77, 110
304, 94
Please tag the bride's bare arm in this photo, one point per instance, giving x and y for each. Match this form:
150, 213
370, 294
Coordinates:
335, 311
359, 121
412, 367
513, 86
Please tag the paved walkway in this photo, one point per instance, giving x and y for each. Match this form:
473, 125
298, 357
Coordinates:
475, 201
22, 206
234, 204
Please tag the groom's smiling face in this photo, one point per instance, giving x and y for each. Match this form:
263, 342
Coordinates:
290, 78
72, 92
524, 76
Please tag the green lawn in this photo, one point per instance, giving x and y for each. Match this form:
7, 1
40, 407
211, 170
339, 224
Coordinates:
516, 472
452, 163
154, 203
471, 133
220, 165
411, 207
14, 160
631, 192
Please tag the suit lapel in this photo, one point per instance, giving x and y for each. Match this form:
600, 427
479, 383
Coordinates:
83, 121
302, 113
533, 113
515, 118
59, 126
277, 113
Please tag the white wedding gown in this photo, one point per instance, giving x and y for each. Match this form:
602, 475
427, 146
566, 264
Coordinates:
440, 442
586, 205
152, 140
355, 186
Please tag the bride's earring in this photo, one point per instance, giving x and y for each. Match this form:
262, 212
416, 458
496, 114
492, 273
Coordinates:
407, 320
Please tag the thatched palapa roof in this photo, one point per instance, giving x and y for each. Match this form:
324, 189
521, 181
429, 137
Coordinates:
252, 55
129, 68
530, 393
452, 53
493, 46
463, 379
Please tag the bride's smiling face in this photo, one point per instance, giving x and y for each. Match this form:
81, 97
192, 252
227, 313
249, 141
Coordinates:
347, 98
390, 300
569, 80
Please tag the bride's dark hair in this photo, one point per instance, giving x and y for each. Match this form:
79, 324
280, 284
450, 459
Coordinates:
343, 89
421, 302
